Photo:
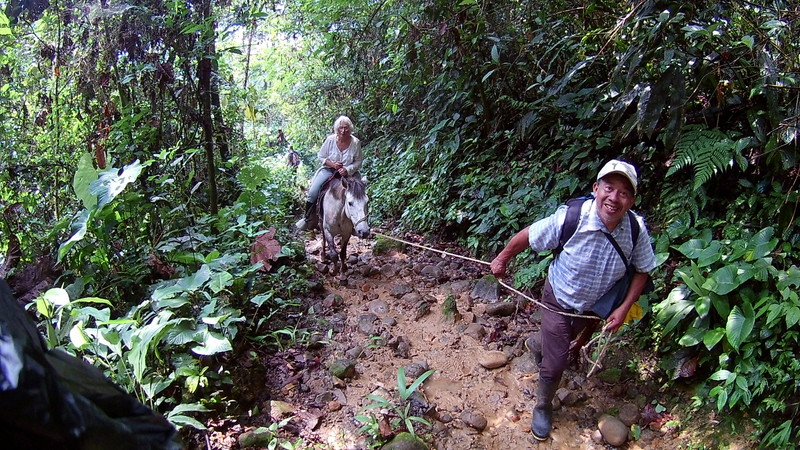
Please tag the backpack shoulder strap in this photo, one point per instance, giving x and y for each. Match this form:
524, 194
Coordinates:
634, 229
570, 221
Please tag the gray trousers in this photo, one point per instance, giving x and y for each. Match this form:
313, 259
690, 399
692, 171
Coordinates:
558, 331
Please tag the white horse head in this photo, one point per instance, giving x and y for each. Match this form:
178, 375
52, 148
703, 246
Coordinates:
356, 205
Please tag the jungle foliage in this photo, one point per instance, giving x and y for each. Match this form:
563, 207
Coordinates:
139, 139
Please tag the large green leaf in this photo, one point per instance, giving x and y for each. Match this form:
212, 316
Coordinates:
762, 244
789, 278
727, 278
79, 229
740, 325
712, 337
112, 182
211, 343
84, 176
674, 309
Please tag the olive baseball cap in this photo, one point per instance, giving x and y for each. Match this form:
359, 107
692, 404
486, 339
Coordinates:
621, 167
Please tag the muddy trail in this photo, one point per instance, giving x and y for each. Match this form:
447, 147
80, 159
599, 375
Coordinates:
419, 310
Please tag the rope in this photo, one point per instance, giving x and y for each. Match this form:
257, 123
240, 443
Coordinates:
594, 364
502, 283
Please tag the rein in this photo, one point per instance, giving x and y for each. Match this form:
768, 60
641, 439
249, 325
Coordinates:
595, 364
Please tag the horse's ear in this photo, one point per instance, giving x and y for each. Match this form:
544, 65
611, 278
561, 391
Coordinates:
344, 182
364, 180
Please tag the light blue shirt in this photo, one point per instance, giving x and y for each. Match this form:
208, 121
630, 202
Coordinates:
589, 265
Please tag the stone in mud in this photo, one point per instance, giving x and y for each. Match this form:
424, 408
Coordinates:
378, 307
333, 301
460, 286
412, 298
388, 271
399, 290
629, 414
366, 324
501, 309
421, 310
487, 289
279, 409
432, 272
355, 352
343, 368
492, 359
474, 420
416, 369
567, 397
613, 430
475, 331
405, 441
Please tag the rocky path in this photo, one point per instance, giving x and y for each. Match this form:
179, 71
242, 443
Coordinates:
412, 309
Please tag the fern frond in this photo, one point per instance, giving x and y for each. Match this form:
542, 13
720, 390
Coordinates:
708, 152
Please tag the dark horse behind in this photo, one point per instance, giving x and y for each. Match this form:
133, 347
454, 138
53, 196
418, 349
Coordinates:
344, 211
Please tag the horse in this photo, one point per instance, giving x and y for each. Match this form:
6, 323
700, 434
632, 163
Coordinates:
344, 210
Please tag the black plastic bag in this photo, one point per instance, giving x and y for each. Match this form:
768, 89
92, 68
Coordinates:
50, 399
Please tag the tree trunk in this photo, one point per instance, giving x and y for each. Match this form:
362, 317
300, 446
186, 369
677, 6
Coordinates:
206, 121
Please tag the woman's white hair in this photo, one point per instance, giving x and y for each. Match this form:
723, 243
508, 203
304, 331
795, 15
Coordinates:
342, 120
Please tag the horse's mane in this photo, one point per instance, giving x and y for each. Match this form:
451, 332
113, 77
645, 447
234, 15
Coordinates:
357, 188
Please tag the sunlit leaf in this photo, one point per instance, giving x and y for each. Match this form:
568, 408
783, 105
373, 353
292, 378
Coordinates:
110, 183
212, 343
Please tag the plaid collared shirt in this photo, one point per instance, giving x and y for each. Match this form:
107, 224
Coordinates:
589, 265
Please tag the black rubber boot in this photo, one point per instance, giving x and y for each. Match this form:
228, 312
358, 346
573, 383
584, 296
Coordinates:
309, 220
542, 421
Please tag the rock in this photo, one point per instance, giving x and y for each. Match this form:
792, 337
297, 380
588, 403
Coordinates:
366, 323
388, 271
474, 420
400, 290
567, 397
416, 368
378, 307
421, 310
333, 301
279, 409
501, 309
405, 441
432, 272
613, 430
355, 352
487, 289
260, 437
460, 286
391, 321
597, 436
403, 350
333, 405
412, 298
492, 359
343, 368
629, 414
475, 331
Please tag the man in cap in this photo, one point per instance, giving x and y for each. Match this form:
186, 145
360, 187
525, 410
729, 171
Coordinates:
587, 266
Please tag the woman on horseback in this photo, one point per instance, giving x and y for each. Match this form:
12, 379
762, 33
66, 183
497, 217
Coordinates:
340, 154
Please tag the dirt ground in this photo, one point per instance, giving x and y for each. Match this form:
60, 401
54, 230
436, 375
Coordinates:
388, 312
